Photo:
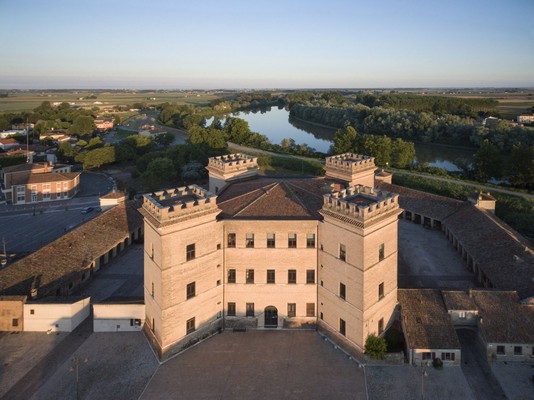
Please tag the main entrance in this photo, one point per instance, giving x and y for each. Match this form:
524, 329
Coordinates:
271, 317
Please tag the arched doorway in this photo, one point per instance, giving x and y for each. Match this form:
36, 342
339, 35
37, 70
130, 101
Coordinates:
271, 317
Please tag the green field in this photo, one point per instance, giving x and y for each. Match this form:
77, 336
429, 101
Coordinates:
28, 100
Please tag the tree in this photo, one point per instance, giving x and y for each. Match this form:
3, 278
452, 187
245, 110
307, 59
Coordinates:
238, 130
158, 171
98, 157
95, 143
65, 151
487, 162
375, 347
521, 166
345, 141
82, 125
403, 153
164, 139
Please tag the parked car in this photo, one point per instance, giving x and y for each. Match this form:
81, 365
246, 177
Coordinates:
87, 210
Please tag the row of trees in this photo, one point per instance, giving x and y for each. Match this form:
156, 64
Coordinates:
386, 151
417, 126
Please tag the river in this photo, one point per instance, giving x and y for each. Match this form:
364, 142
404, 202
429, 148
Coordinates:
277, 125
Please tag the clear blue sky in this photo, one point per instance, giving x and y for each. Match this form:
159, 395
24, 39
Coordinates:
265, 44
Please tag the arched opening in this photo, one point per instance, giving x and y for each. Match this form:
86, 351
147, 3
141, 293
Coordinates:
271, 317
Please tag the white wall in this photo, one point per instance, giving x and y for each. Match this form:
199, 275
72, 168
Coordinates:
118, 317
55, 317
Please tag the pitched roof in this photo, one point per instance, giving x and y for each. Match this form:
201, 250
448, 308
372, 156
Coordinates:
44, 178
63, 260
24, 167
458, 300
501, 253
273, 198
9, 141
502, 318
422, 203
426, 322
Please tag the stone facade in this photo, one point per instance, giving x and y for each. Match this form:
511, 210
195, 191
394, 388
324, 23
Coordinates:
267, 255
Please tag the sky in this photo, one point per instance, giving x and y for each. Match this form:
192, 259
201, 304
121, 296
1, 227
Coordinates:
234, 44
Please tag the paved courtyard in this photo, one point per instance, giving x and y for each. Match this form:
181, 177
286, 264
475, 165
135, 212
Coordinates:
259, 364
428, 260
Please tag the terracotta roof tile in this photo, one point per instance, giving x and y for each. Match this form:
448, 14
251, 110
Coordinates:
64, 259
503, 318
426, 322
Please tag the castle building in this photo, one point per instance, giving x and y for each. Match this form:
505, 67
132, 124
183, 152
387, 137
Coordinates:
264, 252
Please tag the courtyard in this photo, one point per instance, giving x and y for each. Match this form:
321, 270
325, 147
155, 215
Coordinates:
428, 260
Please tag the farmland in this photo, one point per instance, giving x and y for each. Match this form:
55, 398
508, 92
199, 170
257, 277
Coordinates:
27, 100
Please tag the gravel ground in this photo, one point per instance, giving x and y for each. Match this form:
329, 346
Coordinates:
111, 366
404, 382
515, 379
19, 352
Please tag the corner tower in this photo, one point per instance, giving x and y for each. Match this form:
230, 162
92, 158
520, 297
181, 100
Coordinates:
182, 267
357, 268
351, 168
228, 168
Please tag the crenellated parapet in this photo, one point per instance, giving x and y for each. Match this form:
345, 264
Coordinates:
360, 204
174, 204
231, 163
230, 167
351, 168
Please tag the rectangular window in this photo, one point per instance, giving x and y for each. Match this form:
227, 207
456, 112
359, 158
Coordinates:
292, 240
342, 291
250, 240
291, 310
32, 312
462, 315
427, 355
15, 322
191, 288
231, 276
321, 315
342, 252
250, 309
270, 276
380, 326
231, 240
518, 350
190, 325
500, 350
231, 310
190, 252
447, 356
381, 291
310, 309
310, 240
250, 276
218, 282
342, 326
218, 246
292, 276
271, 240
310, 276
381, 252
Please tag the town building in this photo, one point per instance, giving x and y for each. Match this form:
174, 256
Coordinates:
104, 123
58, 268
525, 119
33, 183
8, 144
271, 253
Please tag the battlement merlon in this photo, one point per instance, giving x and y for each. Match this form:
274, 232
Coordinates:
350, 162
232, 163
361, 202
170, 204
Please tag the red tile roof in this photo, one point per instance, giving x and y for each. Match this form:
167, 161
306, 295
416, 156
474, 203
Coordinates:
44, 178
64, 259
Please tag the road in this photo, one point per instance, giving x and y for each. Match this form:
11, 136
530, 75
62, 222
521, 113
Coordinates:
476, 185
484, 188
